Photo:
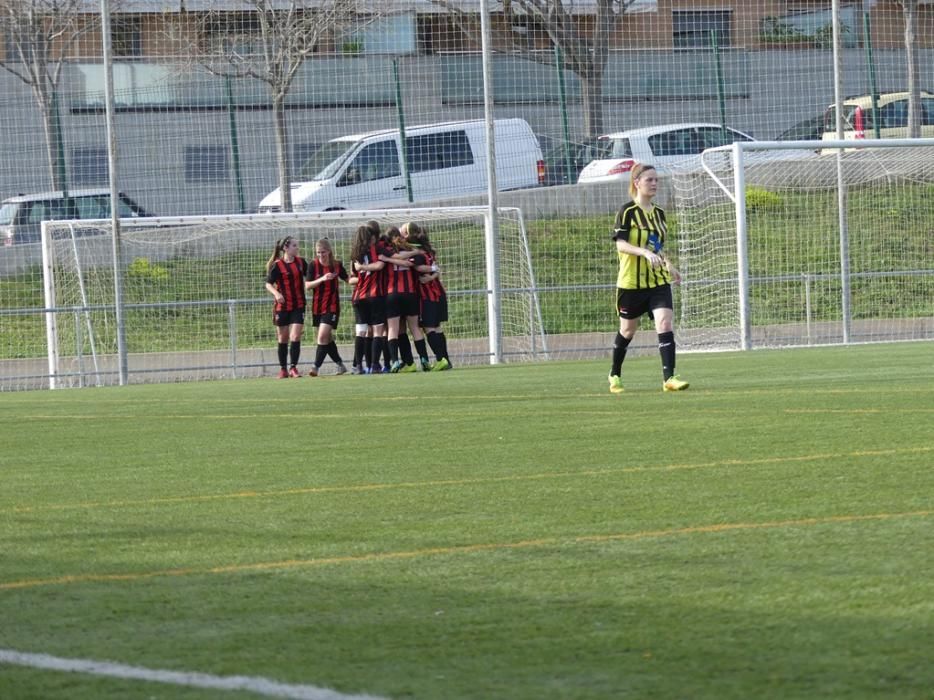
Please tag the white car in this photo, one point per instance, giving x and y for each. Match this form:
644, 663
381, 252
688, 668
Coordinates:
662, 146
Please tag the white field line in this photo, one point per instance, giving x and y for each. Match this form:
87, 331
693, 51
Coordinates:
260, 686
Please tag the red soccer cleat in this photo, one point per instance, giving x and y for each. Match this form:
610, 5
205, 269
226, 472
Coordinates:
283, 374
293, 372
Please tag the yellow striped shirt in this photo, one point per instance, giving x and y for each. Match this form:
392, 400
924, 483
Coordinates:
644, 229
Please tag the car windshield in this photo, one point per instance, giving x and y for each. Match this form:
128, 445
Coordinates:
326, 161
7, 212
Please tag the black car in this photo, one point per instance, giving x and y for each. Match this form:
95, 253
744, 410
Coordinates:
21, 216
556, 153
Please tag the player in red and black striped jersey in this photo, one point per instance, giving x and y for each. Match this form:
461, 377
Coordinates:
285, 280
322, 278
402, 304
434, 301
369, 293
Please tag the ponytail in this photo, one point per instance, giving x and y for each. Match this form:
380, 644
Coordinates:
277, 252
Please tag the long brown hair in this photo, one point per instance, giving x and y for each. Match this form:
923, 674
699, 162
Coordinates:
361, 242
277, 251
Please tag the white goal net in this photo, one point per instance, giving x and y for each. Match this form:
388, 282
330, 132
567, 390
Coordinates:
826, 242
194, 304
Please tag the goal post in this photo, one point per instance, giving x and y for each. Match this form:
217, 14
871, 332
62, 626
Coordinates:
195, 305
806, 242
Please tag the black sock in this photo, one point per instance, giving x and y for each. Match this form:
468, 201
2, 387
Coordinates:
436, 344
384, 343
380, 348
283, 349
619, 354
405, 349
333, 353
666, 348
321, 352
393, 349
444, 347
422, 349
295, 351
359, 350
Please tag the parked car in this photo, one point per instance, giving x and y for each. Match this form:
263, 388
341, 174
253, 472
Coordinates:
555, 154
21, 216
665, 146
364, 171
806, 130
893, 117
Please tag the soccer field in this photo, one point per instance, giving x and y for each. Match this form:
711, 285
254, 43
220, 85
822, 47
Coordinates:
510, 532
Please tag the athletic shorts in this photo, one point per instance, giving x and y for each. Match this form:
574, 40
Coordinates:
400, 305
633, 303
371, 311
330, 319
434, 313
288, 318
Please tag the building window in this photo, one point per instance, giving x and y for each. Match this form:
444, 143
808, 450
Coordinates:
691, 28
206, 164
89, 166
127, 36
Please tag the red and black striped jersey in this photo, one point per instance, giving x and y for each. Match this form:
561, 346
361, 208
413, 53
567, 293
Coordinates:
289, 279
370, 284
401, 279
434, 290
325, 297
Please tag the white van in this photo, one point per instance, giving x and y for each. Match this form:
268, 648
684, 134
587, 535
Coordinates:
365, 171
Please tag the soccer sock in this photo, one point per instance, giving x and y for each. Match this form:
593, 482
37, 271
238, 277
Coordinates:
405, 349
283, 349
444, 347
666, 348
421, 348
384, 343
393, 349
437, 346
619, 353
359, 350
295, 351
320, 352
380, 348
333, 353
368, 351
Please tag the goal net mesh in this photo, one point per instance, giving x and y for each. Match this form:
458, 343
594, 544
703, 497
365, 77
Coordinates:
194, 303
796, 293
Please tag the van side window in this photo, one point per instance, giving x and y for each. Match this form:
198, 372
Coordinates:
376, 161
894, 114
447, 149
927, 112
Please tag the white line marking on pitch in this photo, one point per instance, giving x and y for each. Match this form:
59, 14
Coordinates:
261, 686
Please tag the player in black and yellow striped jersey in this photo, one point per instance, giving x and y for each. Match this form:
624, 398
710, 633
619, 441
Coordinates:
645, 276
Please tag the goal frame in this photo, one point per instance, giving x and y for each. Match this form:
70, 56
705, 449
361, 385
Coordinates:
493, 289
737, 194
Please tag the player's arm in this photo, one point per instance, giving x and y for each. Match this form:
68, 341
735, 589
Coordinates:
654, 259
270, 287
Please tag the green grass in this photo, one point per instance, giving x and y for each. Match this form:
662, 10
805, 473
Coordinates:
512, 532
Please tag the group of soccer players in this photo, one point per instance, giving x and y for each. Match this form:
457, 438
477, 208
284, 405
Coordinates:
396, 285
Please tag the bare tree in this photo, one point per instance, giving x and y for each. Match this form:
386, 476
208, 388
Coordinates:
41, 34
910, 11
269, 42
585, 46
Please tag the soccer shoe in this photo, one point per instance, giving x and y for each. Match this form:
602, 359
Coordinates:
341, 368
357, 370
294, 373
313, 372
426, 365
441, 365
674, 384
283, 373
396, 366
408, 369
616, 386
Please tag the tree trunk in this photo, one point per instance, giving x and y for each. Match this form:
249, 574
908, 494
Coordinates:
54, 146
914, 86
592, 102
282, 152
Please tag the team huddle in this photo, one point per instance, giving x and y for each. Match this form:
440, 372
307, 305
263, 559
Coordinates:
396, 286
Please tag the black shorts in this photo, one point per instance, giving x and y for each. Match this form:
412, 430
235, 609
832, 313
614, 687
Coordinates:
287, 318
329, 318
401, 305
632, 303
371, 311
434, 313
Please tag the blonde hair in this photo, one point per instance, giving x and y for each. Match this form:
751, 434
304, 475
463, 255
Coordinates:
325, 244
638, 170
